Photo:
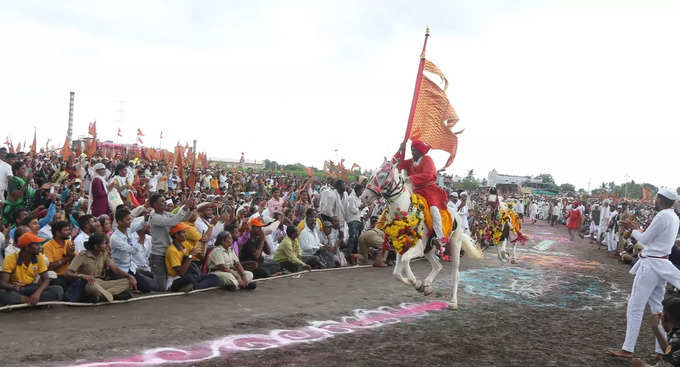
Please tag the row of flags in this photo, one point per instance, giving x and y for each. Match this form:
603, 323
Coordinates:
91, 146
33, 148
335, 171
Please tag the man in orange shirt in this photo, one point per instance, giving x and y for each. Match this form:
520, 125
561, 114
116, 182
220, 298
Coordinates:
60, 251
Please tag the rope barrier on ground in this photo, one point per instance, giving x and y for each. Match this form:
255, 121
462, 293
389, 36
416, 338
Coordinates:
172, 294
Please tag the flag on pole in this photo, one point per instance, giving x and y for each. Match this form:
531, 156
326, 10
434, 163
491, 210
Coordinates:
92, 129
646, 193
9, 144
432, 115
120, 134
34, 146
19, 147
308, 170
66, 152
139, 136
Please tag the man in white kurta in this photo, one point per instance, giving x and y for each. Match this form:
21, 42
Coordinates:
613, 229
604, 220
533, 211
652, 270
463, 212
331, 203
453, 202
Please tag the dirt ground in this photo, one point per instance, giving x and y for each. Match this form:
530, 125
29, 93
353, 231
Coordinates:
562, 304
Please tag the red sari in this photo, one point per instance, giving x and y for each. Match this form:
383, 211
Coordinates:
424, 177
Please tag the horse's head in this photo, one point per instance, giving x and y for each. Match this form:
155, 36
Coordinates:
385, 179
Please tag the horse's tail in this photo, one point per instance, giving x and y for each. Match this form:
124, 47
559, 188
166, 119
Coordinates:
470, 247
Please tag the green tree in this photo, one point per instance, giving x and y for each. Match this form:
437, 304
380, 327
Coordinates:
567, 187
546, 178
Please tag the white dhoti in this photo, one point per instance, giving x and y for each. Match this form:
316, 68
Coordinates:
603, 228
649, 286
229, 278
594, 229
436, 222
612, 240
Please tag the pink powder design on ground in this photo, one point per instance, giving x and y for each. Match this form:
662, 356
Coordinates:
316, 331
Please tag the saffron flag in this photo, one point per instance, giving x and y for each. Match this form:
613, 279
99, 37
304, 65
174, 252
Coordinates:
308, 171
646, 193
119, 133
34, 146
179, 161
91, 147
9, 144
204, 161
434, 116
66, 152
19, 147
139, 136
92, 129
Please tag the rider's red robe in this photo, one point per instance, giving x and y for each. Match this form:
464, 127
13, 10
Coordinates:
424, 177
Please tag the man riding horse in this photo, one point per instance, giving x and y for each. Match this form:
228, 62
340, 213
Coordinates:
423, 174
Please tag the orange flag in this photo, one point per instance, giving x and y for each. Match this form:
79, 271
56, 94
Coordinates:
34, 146
179, 161
204, 160
66, 152
646, 193
91, 148
308, 171
92, 129
8, 142
19, 147
434, 116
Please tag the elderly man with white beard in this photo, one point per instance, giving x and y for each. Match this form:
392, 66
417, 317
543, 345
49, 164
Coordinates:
653, 270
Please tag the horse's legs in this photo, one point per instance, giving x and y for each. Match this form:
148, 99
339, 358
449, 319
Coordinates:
399, 269
502, 253
436, 268
406, 260
455, 275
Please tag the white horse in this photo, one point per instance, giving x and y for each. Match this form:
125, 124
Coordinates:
501, 249
397, 191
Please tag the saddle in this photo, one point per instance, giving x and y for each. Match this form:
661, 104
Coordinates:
448, 225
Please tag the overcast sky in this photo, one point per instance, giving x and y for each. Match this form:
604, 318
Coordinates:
585, 90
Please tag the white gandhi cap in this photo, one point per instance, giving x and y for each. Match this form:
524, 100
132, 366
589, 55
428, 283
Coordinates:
668, 193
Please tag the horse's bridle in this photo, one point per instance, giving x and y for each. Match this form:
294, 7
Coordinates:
391, 190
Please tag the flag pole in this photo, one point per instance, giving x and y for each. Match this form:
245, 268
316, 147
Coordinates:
419, 79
